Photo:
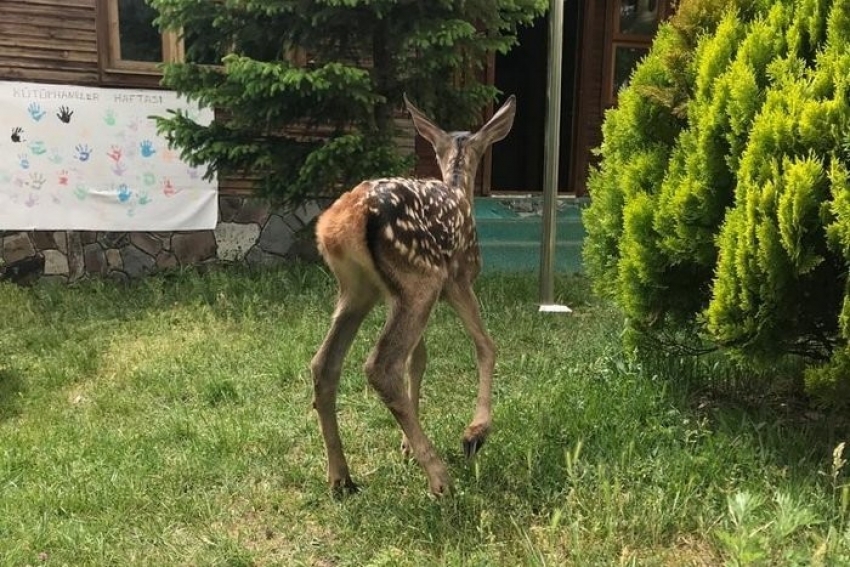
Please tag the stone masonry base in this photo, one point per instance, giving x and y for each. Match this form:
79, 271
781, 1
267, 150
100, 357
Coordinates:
249, 231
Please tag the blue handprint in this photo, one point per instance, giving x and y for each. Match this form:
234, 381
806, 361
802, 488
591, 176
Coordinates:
24, 160
124, 193
36, 111
147, 149
83, 152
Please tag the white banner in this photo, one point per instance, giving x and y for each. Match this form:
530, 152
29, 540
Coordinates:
81, 158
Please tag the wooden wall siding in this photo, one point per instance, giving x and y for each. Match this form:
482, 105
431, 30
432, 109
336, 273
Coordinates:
589, 115
243, 185
49, 41
597, 31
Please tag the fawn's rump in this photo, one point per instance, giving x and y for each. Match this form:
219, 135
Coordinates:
388, 227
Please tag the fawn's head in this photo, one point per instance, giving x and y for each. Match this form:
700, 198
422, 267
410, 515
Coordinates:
458, 153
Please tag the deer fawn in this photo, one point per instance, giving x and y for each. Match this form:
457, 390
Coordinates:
412, 242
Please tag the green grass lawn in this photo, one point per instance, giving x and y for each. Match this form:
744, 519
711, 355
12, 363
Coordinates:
168, 423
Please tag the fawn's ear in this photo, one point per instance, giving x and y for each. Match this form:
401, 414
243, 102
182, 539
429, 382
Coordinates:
499, 125
425, 127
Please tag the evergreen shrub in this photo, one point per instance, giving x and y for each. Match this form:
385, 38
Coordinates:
721, 200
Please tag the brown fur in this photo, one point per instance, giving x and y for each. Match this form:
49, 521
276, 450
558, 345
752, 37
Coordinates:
339, 235
422, 247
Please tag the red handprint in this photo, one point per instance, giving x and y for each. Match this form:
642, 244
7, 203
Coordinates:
114, 153
168, 188
63, 177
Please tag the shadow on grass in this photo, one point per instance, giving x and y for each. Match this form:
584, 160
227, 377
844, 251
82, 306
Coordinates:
11, 389
767, 408
781, 428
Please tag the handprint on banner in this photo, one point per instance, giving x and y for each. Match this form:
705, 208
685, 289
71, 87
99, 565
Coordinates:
109, 117
144, 198
114, 153
124, 193
38, 148
24, 160
35, 111
31, 201
118, 168
83, 152
55, 156
37, 181
63, 178
148, 178
16, 134
168, 188
147, 149
64, 114
81, 192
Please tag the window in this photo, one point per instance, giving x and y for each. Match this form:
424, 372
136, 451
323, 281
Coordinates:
634, 23
134, 43
135, 48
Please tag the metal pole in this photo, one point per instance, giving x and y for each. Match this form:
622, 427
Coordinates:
552, 140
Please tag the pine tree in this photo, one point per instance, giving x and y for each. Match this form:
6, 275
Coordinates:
305, 91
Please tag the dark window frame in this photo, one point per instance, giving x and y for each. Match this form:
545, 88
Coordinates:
115, 69
616, 39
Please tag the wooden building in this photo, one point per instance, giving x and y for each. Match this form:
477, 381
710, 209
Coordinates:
603, 41
111, 43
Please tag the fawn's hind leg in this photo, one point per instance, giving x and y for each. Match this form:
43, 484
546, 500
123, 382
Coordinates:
408, 315
415, 370
353, 305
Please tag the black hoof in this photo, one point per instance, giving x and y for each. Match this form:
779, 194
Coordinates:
472, 446
344, 488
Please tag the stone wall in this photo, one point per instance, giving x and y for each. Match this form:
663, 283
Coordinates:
249, 231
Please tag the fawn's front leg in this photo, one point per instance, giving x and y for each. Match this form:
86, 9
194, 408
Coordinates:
462, 298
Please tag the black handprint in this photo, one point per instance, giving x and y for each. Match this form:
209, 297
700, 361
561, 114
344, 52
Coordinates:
64, 114
16, 135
